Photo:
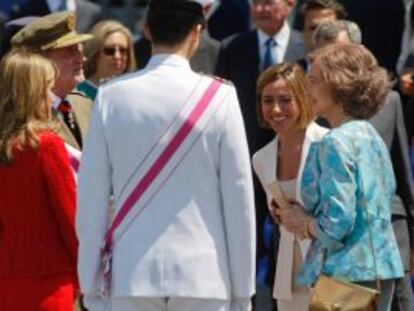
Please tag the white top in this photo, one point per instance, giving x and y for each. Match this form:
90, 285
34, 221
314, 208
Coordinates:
288, 187
54, 5
281, 39
284, 283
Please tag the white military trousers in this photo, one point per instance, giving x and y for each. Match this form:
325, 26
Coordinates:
161, 304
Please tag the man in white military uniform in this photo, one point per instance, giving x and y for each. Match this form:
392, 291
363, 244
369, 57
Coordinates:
169, 144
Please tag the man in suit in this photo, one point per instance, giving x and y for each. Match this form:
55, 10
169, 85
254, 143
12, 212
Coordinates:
204, 59
310, 15
382, 23
241, 59
10, 29
54, 37
188, 242
229, 17
389, 122
87, 13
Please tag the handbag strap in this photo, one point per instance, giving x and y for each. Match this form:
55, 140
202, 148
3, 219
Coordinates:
371, 243
145, 182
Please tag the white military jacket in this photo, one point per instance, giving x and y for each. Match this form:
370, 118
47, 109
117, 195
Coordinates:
195, 236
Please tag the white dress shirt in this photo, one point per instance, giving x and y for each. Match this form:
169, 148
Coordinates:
281, 39
54, 5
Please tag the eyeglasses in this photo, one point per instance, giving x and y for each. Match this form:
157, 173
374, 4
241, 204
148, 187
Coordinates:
111, 50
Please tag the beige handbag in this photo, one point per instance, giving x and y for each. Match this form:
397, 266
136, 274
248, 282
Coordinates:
329, 294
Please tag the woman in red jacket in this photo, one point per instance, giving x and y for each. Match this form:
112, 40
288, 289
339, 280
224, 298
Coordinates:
38, 245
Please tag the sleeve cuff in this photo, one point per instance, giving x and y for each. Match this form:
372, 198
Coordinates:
241, 304
96, 303
326, 240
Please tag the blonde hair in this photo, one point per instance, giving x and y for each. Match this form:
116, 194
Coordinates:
295, 79
94, 46
24, 82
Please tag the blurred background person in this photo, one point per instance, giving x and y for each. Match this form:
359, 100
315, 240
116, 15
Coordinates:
407, 42
38, 249
10, 29
310, 15
283, 106
228, 18
389, 122
348, 176
87, 12
108, 54
381, 22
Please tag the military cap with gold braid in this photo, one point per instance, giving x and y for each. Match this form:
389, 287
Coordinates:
52, 31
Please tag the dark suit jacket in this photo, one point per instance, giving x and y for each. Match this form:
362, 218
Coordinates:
382, 24
389, 122
87, 13
232, 16
239, 61
203, 61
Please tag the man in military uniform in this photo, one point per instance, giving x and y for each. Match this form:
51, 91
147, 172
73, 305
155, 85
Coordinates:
189, 243
54, 37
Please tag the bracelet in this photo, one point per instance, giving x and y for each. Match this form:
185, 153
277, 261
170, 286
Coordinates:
305, 232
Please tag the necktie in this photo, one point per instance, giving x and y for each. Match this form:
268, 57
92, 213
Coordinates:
268, 59
69, 118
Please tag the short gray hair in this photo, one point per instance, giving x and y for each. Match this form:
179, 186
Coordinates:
329, 31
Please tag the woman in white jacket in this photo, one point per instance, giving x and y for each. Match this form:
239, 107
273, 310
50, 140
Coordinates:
282, 106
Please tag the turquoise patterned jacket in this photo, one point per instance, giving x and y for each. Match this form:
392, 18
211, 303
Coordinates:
348, 175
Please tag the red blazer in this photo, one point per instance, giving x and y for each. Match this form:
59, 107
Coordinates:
37, 212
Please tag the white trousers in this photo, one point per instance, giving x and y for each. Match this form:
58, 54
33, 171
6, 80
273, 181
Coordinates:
162, 304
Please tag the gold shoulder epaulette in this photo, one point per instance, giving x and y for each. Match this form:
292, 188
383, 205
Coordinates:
222, 80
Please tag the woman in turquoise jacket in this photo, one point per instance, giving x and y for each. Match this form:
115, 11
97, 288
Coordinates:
348, 180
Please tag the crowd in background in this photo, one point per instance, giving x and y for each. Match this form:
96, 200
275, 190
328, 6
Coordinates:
264, 48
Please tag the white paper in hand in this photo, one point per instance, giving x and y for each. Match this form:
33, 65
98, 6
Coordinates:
277, 194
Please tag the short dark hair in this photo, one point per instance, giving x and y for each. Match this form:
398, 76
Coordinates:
308, 5
170, 21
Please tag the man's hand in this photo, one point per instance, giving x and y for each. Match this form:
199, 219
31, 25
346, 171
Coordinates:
406, 82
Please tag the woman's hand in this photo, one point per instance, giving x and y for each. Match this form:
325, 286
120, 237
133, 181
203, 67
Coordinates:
406, 82
294, 218
273, 211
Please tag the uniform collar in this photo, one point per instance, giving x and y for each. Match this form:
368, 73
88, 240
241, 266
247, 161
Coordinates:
169, 60
56, 102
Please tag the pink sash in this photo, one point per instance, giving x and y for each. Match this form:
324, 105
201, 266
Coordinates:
146, 181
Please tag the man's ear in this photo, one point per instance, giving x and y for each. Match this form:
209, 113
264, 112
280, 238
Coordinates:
147, 33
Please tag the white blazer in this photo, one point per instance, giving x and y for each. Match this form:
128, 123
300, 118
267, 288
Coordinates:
196, 235
265, 166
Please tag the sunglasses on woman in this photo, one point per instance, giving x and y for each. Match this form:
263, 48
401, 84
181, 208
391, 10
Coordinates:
111, 50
